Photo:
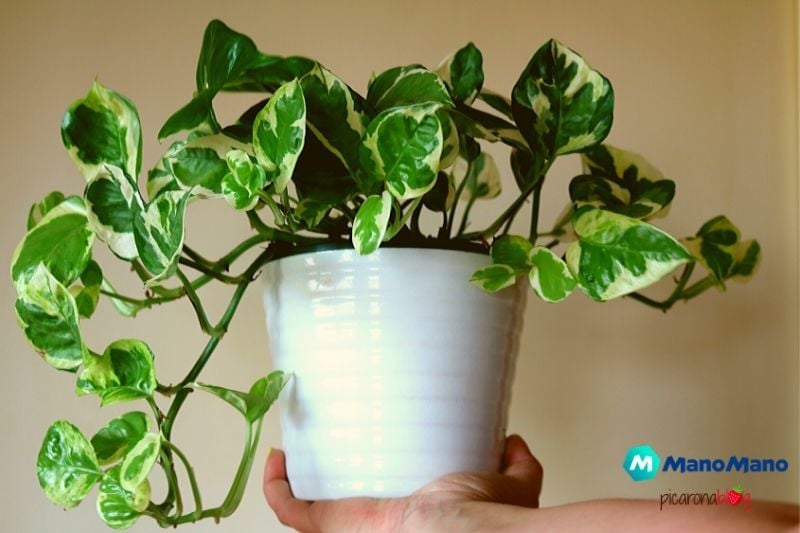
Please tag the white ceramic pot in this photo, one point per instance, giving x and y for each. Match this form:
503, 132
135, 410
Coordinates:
402, 369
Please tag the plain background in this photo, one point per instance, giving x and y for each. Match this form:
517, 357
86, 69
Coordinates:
707, 90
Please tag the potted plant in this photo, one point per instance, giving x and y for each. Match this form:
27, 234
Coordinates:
340, 191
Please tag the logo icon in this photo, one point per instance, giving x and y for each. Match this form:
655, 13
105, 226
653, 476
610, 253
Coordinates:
641, 463
735, 495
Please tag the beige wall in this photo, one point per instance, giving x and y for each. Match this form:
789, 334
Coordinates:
706, 89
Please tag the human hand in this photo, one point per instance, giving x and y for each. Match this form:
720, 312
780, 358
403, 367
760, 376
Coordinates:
459, 501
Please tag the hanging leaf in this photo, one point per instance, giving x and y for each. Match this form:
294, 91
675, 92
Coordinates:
494, 278
403, 86
138, 462
450, 142
114, 439
112, 200
123, 373
200, 165
616, 255
88, 293
243, 182
718, 247
514, 251
117, 507
159, 233
560, 104
67, 467
48, 315
462, 72
103, 129
497, 102
370, 223
257, 401
279, 133
549, 276
61, 241
402, 148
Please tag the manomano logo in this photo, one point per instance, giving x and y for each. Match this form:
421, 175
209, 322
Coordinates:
734, 463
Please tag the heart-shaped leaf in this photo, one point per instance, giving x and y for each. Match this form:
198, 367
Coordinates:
369, 226
403, 86
462, 71
117, 507
159, 234
494, 278
112, 201
257, 401
512, 250
243, 182
123, 373
114, 439
67, 467
138, 462
550, 277
719, 248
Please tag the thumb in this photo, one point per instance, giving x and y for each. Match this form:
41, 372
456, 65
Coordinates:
520, 464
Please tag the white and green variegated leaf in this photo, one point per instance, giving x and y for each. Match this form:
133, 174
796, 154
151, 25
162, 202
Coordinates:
279, 133
67, 467
549, 276
257, 401
61, 241
719, 248
103, 129
42, 207
497, 102
243, 182
312, 211
334, 114
408, 85
482, 125
114, 439
199, 165
159, 179
616, 255
560, 104
483, 178
623, 182
87, 294
494, 278
49, 318
450, 143
117, 507
123, 373
513, 251
112, 201
462, 72
159, 234
402, 147
369, 226
138, 462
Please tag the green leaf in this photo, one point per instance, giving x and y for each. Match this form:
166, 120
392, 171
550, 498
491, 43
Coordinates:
550, 277
103, 129
497, 102
617, 255
450, 142
44, 206
159, 233
114, 439
225, 58
463, 73
243, 182
334, 114
159, 179
482, 125
112, 200
402, 148
527, 167
48, 315
560, 104
370, 224
512, 250
403, 86
257, 401
117, 507
123, 373
312, 212
67, 467
124, 308
61, 241
623, 182
719, 248
138, 462
321, 176
200, 165
483, 178
279, 133
87, 295
494, 278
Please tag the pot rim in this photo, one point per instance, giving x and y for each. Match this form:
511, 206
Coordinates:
282, 251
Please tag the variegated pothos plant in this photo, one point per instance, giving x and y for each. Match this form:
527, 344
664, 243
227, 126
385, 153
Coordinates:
314, 162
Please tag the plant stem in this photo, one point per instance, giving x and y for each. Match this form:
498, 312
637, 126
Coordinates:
465, 216
274, 234
208, 271
198, 502
452, 216
679, 293
535, 212
401, 221
202, 317
509, 212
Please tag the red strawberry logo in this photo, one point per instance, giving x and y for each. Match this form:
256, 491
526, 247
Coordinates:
735, 495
